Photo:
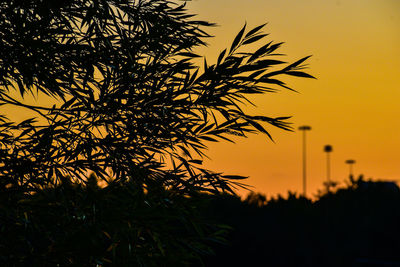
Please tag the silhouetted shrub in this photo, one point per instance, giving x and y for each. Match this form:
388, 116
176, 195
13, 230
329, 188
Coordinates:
75, 225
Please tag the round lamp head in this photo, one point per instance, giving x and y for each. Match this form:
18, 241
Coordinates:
304, 128
328, 148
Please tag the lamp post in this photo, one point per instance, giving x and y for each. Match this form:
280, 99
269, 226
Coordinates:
350, 162
328, 149
304, 128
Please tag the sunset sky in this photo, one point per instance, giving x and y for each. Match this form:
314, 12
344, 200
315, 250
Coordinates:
353, 104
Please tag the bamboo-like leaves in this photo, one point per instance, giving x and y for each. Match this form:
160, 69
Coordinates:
134, 106
254, 31
237, 39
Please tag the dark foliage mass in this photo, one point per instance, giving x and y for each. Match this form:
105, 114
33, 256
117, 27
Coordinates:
129, 97
354, 226
131, 106
117, 225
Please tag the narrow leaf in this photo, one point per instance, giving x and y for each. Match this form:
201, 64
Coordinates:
254, 39
237, 39
254, 31
299, 74
296, 64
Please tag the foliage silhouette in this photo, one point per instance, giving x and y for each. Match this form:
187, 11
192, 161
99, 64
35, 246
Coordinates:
353, 226
131, 97
116, 225
131, 106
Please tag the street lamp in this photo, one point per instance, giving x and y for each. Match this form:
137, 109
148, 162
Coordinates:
350, 162
328, 149
304, 128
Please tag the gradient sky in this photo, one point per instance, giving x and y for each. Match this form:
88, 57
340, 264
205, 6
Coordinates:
353, 105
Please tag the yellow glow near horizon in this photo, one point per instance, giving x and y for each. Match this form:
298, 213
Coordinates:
353, 105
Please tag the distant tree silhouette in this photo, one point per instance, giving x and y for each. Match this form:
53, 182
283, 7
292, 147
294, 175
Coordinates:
356, 225
256, 199
130, 105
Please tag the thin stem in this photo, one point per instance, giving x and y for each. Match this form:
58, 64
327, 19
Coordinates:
15, 102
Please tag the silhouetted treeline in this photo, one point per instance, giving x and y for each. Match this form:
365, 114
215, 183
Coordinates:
121, 225
354, 226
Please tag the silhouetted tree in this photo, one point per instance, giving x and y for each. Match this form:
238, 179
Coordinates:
256, 199
130, 105
356, 225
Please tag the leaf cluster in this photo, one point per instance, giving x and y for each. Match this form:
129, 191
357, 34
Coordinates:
116, 225
133, 107
132, 101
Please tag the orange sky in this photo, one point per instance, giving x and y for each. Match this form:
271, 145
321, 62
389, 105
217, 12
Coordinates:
353, 105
